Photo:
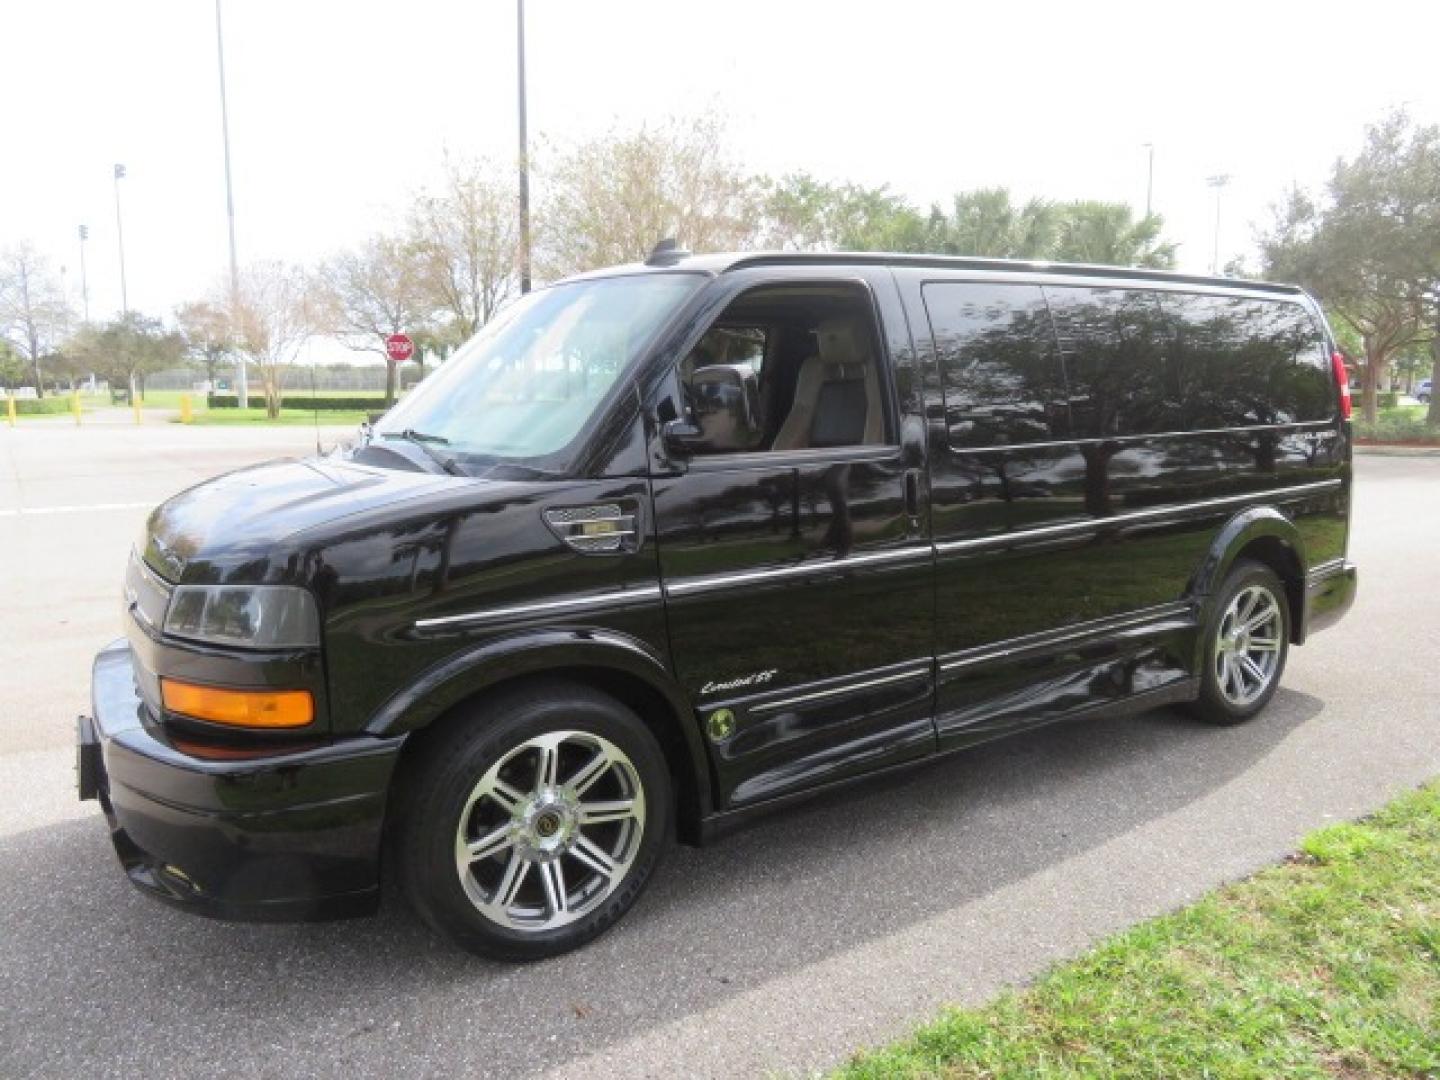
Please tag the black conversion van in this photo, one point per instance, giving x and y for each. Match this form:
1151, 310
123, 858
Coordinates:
670, 544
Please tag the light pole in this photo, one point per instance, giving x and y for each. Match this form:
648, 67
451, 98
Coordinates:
84, 232
1217, 182
242, 384
1150, 179
120, 238
524, 148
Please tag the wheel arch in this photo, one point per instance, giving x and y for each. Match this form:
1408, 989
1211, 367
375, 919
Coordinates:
611, 662
1264, 535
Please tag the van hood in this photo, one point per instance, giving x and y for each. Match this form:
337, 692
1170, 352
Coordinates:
206, 533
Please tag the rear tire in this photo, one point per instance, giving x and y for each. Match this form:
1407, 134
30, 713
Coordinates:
534, 821
1247, 640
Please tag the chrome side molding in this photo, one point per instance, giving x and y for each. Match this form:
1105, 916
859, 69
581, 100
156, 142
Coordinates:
810, 568
1327, 569
613, 598
1159, 513
766, 707
1158, 618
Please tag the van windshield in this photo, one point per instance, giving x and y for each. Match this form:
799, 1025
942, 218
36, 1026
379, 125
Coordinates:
523, 389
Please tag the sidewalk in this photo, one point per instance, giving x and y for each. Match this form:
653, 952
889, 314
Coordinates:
1397, 450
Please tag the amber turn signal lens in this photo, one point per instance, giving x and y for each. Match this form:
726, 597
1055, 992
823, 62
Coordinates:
239, 708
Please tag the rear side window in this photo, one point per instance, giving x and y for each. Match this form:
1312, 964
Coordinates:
1000, 376
1115, 346
1242, 361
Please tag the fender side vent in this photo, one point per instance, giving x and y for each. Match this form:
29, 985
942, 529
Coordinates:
597, 529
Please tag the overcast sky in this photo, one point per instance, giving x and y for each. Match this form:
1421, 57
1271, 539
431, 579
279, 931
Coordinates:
341, 107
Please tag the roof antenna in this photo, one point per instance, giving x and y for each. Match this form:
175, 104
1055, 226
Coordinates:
666, 253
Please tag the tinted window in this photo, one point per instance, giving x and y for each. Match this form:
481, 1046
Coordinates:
787, 369
1114, 344
1243, 361
1001, 381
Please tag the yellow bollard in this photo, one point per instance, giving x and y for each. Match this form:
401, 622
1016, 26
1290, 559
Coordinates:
10, 408
75, 405
135, 403
185, 408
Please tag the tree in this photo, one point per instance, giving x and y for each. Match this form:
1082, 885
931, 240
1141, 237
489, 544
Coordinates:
277, 310
1412, 363
205, 326
464, 242
34, 316
125, 349
986, 222
1432, 414
803, 213
12, 367
1369, 245
66, 365
610, 199
431, 340
800, 213
1108, 233
376, 291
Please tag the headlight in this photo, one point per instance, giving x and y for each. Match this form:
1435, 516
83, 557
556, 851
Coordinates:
250, 616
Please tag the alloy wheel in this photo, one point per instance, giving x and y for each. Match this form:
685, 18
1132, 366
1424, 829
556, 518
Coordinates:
550, 831
1247, 647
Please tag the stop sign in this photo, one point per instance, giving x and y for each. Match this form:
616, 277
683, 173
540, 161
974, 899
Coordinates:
399, 348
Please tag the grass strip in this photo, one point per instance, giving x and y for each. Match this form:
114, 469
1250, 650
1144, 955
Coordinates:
1325, 966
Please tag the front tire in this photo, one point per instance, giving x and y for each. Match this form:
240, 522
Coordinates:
534, 821
1247, 640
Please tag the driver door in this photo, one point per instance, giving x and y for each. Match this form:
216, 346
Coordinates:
793, 542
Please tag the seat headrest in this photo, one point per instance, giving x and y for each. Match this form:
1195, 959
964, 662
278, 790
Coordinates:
841, 343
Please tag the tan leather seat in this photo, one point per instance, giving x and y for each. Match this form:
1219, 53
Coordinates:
842, 369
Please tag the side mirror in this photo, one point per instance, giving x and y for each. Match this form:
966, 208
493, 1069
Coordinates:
725, 407
681, 437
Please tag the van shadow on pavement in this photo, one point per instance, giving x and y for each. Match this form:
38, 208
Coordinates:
90, 971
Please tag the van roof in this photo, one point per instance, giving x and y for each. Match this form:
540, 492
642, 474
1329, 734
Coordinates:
724, 262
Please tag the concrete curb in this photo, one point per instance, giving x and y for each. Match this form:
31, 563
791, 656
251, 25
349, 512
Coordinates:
1400, 451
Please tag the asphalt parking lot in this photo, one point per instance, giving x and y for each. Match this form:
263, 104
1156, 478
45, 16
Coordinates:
781, 949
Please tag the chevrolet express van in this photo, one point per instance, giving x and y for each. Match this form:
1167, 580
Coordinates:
668, 545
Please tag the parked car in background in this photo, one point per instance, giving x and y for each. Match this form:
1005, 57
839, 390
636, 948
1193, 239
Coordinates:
1422, 391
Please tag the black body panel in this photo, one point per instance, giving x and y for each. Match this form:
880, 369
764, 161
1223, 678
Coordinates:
1028, 542
276, 835
799, 586
1072, 569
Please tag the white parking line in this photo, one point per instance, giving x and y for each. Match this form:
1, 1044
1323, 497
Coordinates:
27, 511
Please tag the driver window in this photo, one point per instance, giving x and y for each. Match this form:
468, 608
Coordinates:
787, 369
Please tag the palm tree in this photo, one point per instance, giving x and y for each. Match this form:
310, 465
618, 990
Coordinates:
1109, 234
985, 222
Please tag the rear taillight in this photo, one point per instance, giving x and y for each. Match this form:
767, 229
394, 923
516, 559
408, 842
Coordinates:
1342, 379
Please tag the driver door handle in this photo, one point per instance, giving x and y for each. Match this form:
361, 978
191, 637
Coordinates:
912, 497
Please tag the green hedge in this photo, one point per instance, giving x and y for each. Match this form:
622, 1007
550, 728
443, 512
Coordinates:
41, 406
325, 404
1398, 426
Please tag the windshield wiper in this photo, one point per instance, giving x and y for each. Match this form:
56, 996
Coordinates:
426, 443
